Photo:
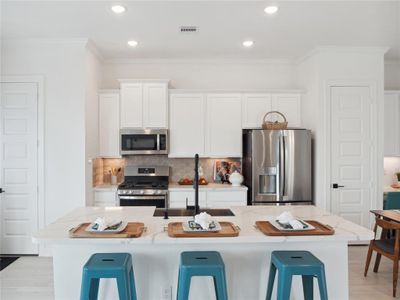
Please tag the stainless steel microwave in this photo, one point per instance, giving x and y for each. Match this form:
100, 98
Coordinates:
143, 141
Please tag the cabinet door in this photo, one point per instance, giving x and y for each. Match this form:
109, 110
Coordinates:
392, 125
155, 105
254, 107
226, 199
186, 124
131, 105
177, 199
224, 125
105, 198
289, 105
109, 125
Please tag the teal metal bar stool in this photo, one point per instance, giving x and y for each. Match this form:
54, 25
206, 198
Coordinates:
108, 265
289, 263
392, 201
201, 263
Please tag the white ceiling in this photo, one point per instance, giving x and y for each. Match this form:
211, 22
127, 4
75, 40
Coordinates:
298, 27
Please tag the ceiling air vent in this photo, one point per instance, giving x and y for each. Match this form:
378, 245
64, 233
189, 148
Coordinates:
189, 29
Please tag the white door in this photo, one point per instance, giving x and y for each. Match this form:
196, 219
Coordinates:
224, 125
109, 125
351, 147
18, 170
131, 105
289, 105
254, 107
155, 105
186, 119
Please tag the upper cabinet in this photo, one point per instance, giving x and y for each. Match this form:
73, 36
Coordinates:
224, 125
255, 106
187, 126
392, 124
109, 123
144, 104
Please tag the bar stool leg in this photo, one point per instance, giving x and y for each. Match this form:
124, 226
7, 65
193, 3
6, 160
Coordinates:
220, 286
308, 287
90, 288
271, 279
183, 286
132, 286
284, 285
123, 287
323, 290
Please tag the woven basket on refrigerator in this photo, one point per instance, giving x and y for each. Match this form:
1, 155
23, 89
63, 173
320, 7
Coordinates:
274, 125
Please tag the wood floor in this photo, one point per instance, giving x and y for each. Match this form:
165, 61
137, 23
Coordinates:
32, 278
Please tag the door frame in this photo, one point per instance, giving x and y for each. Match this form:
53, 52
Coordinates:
376, 94
39, 80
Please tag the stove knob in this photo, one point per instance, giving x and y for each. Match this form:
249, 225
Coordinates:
142, 192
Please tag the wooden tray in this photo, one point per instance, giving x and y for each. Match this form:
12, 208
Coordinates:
132, 230
228, 230
320, 229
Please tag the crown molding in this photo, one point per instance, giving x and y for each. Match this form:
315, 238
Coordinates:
82, 41
341, 49
197, 61
91, 46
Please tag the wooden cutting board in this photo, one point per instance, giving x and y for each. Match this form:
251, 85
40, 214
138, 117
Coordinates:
228, 229
320, 229
132, 230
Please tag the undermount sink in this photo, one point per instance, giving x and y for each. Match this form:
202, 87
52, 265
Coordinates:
182, 212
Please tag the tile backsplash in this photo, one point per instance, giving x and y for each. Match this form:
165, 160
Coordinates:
179, 167
391, 166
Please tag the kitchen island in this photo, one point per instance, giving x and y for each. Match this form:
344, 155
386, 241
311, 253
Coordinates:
156, 255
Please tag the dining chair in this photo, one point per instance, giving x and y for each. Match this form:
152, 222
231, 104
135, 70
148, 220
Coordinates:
392, 201
388, 247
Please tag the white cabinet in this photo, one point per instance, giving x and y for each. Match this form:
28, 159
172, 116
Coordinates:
187, 127
103, 198
392, 124
218, 198
179, 199
224, 199
109, 123
289, 105
144, 104
254, 107
224, 125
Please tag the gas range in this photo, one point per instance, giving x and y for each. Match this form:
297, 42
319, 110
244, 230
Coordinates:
144, 186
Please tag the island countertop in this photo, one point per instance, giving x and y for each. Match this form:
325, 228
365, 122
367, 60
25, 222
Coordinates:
245, 218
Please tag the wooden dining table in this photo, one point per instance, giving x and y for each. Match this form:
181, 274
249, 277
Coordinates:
389, 214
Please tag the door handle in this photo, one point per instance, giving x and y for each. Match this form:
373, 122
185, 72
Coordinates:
2, 191
335, 186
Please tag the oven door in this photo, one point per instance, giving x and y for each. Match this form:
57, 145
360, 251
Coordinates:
143, 200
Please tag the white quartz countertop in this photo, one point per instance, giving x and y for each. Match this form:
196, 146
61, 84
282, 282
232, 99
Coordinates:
245, 218
211, 186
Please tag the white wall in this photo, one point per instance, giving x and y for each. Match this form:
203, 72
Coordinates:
204, 74
350, 66
392, 75
62, 64
93, 82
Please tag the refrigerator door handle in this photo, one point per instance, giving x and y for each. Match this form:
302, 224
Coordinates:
282, 150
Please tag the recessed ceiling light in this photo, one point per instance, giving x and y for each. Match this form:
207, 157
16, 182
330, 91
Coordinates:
271, 9
132, 43
118, 9
248, 44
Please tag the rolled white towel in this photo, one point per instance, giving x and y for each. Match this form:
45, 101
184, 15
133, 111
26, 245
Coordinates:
103, 223
204, 220
296, 224
285, 218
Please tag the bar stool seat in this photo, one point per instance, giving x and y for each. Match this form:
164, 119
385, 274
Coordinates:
201, 263
289, 263
108, 265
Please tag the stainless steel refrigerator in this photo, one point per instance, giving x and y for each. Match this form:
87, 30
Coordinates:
277, 166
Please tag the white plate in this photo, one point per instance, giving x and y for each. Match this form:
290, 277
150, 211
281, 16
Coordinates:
279, 227
119, 229
186, 228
